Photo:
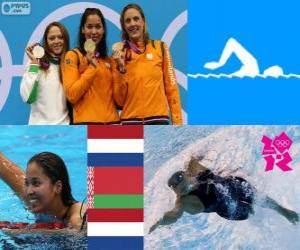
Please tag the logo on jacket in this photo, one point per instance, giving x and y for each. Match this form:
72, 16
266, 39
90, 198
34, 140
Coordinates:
149, 56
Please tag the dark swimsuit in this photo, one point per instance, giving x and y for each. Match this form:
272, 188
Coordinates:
47, 218
230, 197
42, 218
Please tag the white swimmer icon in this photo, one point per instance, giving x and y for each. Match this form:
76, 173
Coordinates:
249, 63
249, 68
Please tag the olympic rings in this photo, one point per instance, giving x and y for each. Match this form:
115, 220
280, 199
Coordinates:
281, 143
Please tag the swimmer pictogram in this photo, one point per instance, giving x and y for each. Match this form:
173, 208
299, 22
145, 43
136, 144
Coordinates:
249, 64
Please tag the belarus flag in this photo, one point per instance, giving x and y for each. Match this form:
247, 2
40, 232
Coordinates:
115, 183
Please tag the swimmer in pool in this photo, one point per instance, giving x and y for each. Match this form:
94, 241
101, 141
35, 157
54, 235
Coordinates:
200, 190
45, 188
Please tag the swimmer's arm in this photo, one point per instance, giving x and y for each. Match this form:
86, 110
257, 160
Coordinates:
290, 215
169, 217
12, 175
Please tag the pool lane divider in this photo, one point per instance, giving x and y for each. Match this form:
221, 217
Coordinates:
115, 187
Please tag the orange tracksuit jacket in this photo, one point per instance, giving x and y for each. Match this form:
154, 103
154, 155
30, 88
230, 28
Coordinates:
89, 89
149, 87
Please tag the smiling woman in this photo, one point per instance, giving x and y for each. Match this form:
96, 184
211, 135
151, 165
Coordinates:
47, 188
41, 84
148, 90
88, 73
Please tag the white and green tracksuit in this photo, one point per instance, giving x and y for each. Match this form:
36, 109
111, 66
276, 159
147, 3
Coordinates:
44, 91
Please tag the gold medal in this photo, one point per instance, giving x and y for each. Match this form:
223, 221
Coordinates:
118, 46
89, 45
38, 52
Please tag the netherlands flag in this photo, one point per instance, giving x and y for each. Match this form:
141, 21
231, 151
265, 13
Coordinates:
115, 185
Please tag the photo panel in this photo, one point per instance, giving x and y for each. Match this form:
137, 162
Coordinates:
25, 94
43, 186
243, 62
222, 187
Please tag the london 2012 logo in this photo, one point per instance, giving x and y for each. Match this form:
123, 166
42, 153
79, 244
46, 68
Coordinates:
276, 152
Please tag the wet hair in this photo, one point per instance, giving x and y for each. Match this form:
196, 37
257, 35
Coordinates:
65, 36
54, 168
101, 46
175, 179
122, 21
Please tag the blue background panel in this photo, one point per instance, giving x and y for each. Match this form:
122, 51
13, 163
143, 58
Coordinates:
267, 30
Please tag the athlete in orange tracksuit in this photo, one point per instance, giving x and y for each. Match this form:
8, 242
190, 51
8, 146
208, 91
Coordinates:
88, 77
89, 89
148, 89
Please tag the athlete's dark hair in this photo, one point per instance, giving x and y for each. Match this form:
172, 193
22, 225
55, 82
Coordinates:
101, 46
54, 167
122, 21
175, 179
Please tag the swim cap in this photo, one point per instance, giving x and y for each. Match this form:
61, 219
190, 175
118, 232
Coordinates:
175, 179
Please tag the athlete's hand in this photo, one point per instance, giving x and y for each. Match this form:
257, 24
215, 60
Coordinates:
92, 59
119, 56
29, 53
292, 216
152, 228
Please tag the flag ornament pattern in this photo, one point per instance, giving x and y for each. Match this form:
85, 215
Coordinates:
90, 187
116, 187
